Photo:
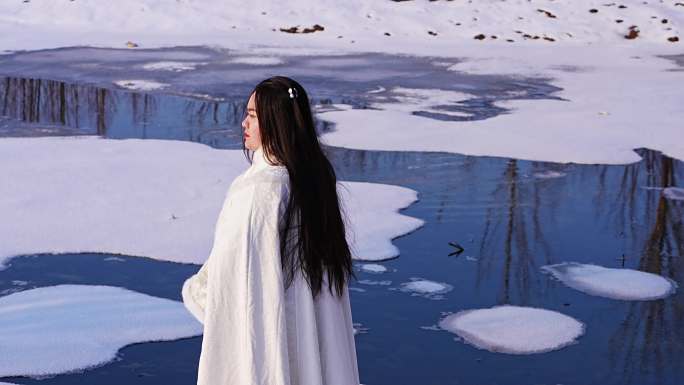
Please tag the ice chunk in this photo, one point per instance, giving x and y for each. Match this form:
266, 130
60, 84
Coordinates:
174, 66
674, 193
549, 174
374, 283
625, 284
373, 268
62, 328
258, 60
426, 288
514, 329
140, 85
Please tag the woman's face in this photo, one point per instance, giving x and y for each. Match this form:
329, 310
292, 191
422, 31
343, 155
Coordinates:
251, 126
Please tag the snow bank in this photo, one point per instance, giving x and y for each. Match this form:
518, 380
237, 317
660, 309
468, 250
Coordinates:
613, 87
514, 329
608, 96
62, 328
152, 198
624, 284
411, 26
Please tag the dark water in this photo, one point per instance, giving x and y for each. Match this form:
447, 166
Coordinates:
509, 220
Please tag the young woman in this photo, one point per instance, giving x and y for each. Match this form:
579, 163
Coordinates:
273, 293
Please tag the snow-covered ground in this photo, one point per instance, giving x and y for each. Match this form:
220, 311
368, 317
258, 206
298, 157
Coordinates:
618, 95
153, 198
56, 329
409, 26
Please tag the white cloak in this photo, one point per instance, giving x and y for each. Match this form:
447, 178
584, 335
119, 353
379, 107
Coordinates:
255, 331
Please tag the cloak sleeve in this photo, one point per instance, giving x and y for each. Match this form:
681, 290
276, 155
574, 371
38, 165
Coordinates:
245, 331
194, 292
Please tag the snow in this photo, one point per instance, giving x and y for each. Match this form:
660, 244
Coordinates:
573, 129
622, 284
62, 328
599, 119
173, 66
351, 23
373, 268
674, 193
426, 288
258, 60
140, 85
549, 174
151, 198
514, 329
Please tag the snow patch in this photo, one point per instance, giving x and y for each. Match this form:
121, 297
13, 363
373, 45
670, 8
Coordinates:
426, 288
140, 85
623, 284
549, 174
258, 60
373, 268
173, 66
62, 328
151, 198
514, 329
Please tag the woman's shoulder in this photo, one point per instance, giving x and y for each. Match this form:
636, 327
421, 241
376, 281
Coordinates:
271, 182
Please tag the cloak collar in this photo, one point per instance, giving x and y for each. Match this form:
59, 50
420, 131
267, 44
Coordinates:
259, 162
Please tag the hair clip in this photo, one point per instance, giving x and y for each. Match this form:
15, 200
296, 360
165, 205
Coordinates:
293, 92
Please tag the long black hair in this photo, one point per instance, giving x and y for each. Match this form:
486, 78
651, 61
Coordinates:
312, 237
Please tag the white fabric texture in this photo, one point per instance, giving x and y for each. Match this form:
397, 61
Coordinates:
255, 331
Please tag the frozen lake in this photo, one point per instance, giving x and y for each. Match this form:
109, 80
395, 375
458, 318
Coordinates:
511, 217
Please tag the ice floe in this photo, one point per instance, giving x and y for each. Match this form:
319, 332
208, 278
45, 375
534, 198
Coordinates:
373, 268
173, 66
549, 174
674, 193
374, 282
140, 85
153, 198
426, 288
514, 329
257, 60
57, 329
624, 284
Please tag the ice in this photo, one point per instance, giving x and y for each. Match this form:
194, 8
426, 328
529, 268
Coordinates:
410, 100
674, 193
257, 60
173, 66
514, 329
115, 259
62, 328
623, 284
373, 268
549, 174
151, 198
426, 288
374, 283
140, 85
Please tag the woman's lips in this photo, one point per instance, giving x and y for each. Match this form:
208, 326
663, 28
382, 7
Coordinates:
246, 136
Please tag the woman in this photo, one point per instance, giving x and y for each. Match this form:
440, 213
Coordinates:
273, 293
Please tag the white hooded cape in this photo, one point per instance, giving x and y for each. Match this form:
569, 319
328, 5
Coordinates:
255, 331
